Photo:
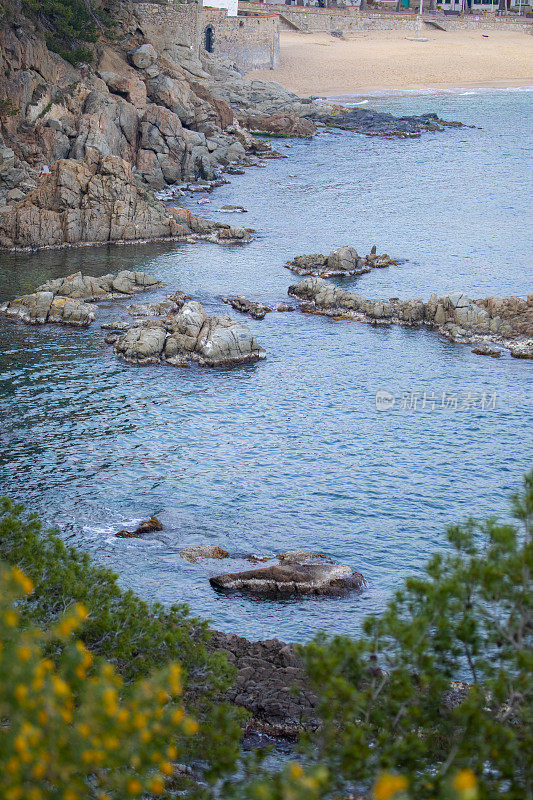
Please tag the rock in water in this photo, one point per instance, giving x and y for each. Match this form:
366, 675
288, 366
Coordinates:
148, 526
507, 322
343, 261
41, 307
203, 551
255, 310
280, 125
293, 578
189, 335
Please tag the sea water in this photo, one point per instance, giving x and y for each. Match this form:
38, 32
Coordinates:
291, 452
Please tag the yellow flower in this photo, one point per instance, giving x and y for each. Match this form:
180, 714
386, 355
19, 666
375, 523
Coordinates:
22, 580
134, 786
21, 692
388, 786
60, 687
190, 726
295, 771
177, 716
172, 752
81, 611
11, 617
166, 768
465, 783
24, 653
157, 786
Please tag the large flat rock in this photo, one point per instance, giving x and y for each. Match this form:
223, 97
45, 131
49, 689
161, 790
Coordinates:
287, 579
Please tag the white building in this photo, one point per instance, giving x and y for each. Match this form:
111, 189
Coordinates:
230, 5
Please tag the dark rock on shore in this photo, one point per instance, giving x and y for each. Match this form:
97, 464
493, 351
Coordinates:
343, 261
378, 123
268, 672
255, 310
507, 322
291, 578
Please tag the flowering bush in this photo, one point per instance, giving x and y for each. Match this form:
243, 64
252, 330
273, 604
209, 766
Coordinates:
70, 729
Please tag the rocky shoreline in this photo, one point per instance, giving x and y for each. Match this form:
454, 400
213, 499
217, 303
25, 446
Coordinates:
82, 153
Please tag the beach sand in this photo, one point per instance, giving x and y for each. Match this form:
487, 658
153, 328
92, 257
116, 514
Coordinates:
381, 60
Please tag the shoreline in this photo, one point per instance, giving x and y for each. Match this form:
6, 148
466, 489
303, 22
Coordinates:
393, 62
382, 92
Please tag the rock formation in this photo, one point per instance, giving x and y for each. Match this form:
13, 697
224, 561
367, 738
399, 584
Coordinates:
255, 310
504, 321
343, 261
148, 526
298, 572
281, 125
63, 300
189, 335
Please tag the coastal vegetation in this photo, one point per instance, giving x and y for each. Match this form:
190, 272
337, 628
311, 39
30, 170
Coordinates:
103, 695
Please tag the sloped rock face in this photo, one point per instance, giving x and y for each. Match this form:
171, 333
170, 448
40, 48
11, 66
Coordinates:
189, 335
343, 261
290, 578
81, 202
454, 315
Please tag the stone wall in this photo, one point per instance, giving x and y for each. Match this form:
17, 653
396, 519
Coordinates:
249, 41
170, 26
350, 20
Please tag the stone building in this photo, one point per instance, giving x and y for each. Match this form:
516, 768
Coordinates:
250, 39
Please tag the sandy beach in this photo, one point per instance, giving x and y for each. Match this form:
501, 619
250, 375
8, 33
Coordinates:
379, 60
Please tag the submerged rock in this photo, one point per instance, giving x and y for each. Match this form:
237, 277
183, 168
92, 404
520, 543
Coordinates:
189, 335
255, 310
343, 261
148, 526
379, 123
292, 578
454, 315
203, 551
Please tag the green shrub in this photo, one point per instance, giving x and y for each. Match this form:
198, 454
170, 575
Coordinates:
134, 636
66, 23
70, 729
385, 698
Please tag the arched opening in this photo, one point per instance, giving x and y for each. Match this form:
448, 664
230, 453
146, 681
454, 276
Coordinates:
208, 38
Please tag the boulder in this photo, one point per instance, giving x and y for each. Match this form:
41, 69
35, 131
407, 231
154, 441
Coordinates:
292, 578
203, 551
106, 287
86, 202
143, 56
343, 261
188, 335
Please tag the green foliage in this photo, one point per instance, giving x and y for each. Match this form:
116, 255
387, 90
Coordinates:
134, 636
386, 699
7, 109
70, 729
66, 23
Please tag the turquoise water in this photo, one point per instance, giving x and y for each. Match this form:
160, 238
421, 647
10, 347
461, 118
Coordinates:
291, 453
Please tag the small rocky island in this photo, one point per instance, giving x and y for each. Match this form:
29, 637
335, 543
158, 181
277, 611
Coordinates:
507, 322
343, 261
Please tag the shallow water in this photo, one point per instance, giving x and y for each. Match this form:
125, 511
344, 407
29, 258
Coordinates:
292, 453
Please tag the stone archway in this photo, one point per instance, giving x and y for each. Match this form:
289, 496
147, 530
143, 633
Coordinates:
209, 36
